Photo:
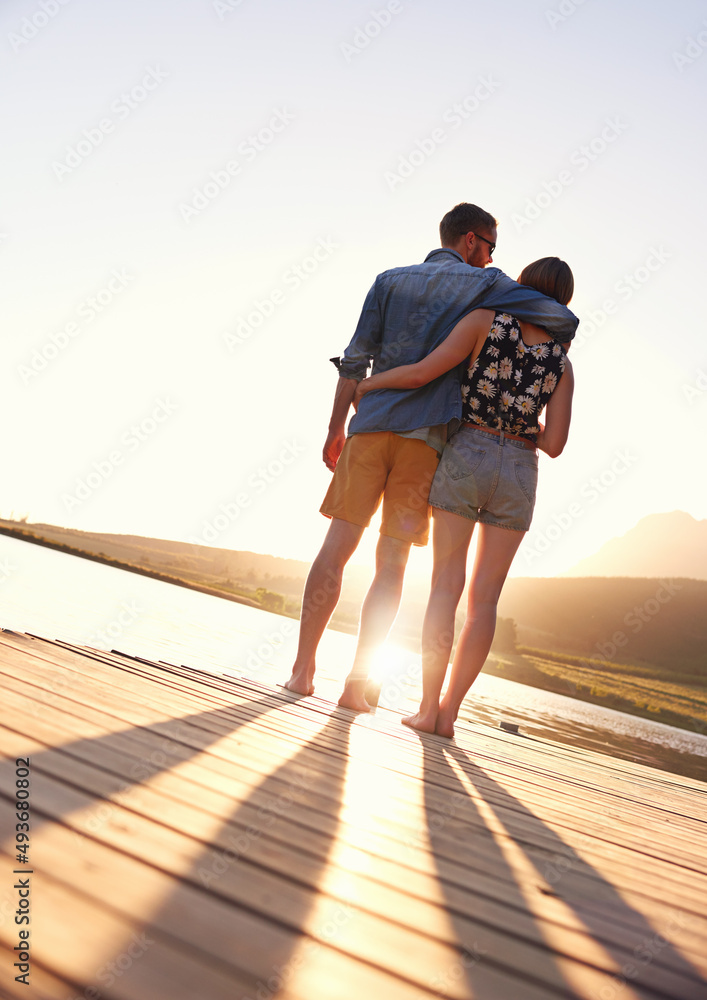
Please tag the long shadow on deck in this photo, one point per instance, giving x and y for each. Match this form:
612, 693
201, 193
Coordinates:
241, 869
626, 936
266, 863
459, 858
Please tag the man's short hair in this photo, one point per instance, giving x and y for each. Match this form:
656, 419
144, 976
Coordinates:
462, 219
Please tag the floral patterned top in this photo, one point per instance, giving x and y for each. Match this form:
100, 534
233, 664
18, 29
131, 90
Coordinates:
510, 382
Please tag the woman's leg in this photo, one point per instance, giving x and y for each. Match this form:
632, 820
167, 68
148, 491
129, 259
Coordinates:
451, 535
494, 555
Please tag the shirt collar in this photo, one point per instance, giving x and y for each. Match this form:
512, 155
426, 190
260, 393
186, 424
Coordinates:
444, 250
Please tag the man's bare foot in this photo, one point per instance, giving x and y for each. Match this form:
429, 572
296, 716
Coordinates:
299, 684
352, 697
445, 722
423, 722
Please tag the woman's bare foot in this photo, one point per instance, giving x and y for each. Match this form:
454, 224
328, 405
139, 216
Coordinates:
445, 722
423, 722
353, 697
300, 684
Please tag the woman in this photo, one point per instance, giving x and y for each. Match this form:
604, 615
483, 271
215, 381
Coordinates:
487, 474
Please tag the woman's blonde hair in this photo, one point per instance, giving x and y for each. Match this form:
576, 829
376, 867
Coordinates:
551, 276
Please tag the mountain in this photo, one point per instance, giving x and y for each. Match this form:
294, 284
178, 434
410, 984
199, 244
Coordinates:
660, 545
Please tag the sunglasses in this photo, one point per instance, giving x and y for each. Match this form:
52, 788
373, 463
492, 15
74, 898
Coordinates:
492, 246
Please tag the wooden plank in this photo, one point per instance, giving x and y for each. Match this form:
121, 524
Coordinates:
603, 759
625, 862
284, 856
618, 765
367, 937
301, 856
673, 831
256, 890
206, 965
644, 875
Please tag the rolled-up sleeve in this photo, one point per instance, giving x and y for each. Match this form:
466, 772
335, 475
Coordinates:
366, 342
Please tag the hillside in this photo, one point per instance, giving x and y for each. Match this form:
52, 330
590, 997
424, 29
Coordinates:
638, 645
660, 545
624, 620
659, 622
223, 572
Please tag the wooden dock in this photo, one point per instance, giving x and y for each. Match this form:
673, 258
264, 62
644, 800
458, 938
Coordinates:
198, 838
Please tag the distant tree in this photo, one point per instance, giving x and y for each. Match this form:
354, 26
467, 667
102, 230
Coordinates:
270, 601
505, 637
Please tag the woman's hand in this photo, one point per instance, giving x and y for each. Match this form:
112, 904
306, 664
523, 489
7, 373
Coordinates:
361, 390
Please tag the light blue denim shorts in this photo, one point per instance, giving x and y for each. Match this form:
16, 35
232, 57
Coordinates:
487, 478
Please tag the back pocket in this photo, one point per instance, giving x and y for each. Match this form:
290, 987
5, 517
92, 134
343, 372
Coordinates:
462, 460
527, 479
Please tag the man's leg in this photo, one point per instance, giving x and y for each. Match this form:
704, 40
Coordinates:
412, 465
321, 594
377, 616
494, 555
451, 535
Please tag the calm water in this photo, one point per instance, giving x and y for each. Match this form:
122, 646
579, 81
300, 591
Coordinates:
59, 596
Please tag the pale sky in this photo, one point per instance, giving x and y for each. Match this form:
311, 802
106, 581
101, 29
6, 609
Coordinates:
198, 195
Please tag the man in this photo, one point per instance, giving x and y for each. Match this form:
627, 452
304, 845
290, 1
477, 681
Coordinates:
395, 438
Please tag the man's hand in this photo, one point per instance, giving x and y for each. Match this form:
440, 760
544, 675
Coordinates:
336, 437
332, 448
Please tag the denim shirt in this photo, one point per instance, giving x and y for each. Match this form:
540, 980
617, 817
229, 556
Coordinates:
409, 311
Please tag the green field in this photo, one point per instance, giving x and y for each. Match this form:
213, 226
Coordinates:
675, 699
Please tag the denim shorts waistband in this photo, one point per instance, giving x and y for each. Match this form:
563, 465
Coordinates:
501, 438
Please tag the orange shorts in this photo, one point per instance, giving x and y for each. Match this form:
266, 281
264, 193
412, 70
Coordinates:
383, 464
